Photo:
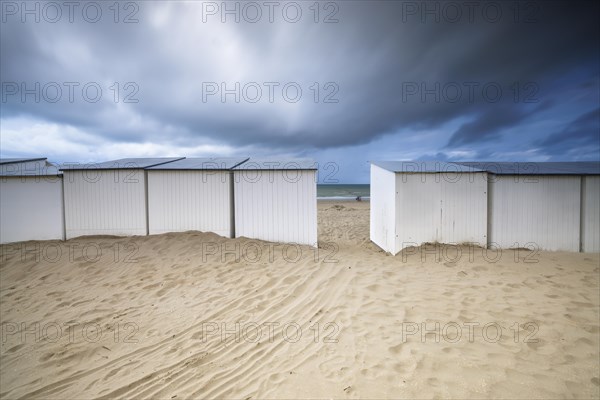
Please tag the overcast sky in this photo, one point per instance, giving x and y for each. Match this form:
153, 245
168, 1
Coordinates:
342, 82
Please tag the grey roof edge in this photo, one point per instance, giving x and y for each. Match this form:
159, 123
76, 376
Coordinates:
5, 161
58, 174
101, 167
557, 168
238, 164
290, 164
22, 169
425, 167
165, 162
176, 165
531, 168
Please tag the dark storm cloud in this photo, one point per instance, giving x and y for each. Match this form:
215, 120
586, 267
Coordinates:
490, 124
391, 71
582, 131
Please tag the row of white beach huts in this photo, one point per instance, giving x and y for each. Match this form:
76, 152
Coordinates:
273, 200
550, 206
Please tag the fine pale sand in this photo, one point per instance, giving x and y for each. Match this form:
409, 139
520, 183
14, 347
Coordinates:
166, 317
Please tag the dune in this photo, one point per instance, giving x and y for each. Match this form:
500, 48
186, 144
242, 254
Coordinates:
195, 315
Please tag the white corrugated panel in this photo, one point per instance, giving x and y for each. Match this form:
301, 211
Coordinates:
105, 202
441, 207
464, 208
197, 200
535, 211
383, 208
31, 208
417, 209
278, 206
590, 219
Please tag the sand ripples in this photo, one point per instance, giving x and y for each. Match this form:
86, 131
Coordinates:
184, 320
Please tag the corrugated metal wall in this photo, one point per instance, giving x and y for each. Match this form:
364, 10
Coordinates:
279, 206
543, 210
417, 210
442, 207
189, 200
31, 208
383, 208
590, 217
109, 202
464, 208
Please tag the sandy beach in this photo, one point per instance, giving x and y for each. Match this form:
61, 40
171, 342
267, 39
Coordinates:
195, 315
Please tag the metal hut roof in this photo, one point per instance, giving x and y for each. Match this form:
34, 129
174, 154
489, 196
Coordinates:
537, 168
189, 164
424, 166
123, 163
279, 164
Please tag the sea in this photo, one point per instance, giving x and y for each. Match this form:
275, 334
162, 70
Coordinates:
343, 192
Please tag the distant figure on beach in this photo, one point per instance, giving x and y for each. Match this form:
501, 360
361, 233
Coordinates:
358, 198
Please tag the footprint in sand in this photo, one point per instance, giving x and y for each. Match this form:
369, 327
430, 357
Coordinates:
396, 349
580, 304
371, 372
330, 368
112, 373
46, 357
15, 348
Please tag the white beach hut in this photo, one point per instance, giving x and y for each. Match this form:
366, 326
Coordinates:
31, 200
419, 202
536, 205
543, 205
276, 200
108, 198
192, 194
